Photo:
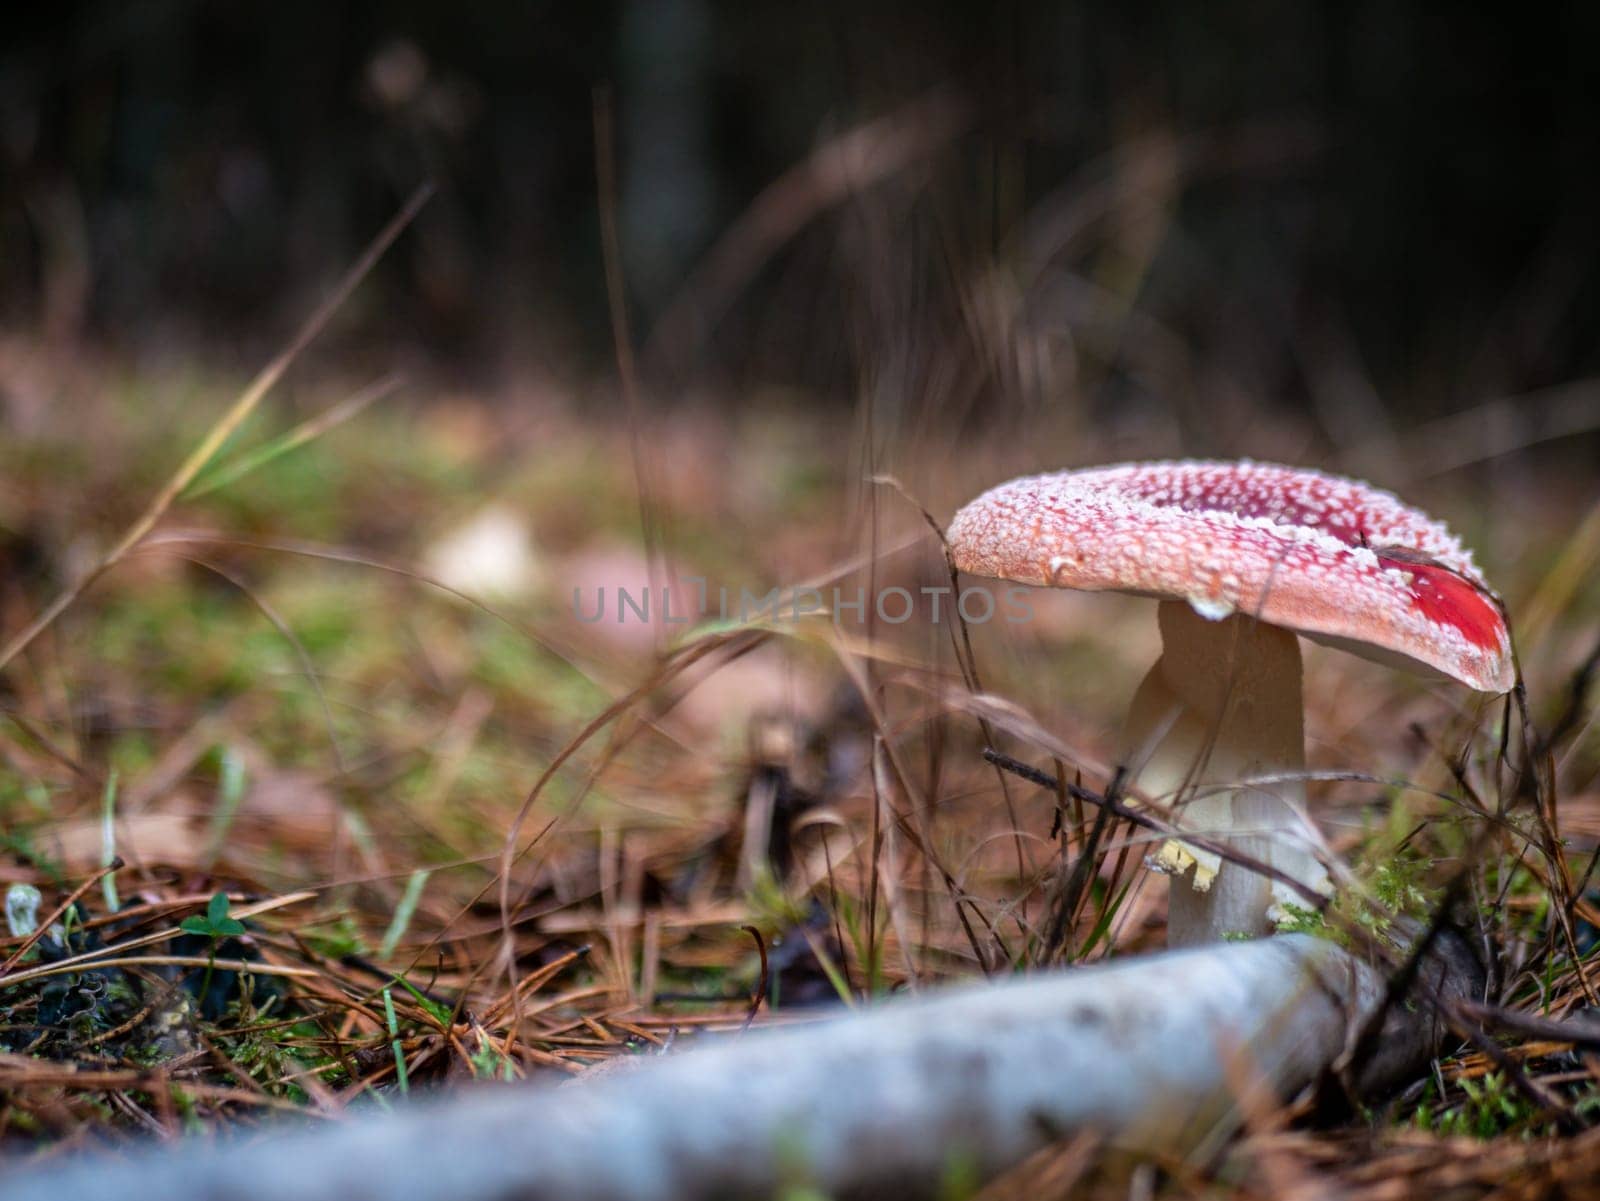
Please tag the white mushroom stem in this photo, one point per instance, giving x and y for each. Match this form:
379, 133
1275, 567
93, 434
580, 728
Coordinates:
1148, 1052
1216, 732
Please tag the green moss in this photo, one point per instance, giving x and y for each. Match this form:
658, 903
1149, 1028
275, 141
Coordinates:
1482, 1109
1392, 889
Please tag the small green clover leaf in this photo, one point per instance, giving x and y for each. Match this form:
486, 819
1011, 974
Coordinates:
216, 923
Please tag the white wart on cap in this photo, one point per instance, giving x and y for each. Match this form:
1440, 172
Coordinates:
1328, 557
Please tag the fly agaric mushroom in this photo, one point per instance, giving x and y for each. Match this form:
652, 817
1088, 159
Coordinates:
1243, 557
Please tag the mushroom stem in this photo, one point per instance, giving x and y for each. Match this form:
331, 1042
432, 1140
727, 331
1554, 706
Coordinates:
1218, 715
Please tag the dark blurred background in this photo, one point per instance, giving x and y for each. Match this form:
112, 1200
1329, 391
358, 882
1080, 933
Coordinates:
1124, 198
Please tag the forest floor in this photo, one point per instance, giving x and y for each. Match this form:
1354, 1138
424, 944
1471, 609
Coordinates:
389, 811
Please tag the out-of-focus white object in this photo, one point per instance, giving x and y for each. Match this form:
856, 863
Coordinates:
489, 556
22, 910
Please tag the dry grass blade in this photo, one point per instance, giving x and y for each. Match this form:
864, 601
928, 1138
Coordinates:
219, 433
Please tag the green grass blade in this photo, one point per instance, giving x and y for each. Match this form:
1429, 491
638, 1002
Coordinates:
400, 1076
108, 842
403, 912
236, 469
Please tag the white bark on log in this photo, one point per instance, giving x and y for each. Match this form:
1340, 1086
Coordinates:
881, 1103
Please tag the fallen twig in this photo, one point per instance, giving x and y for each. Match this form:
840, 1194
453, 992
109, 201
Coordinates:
871, 1104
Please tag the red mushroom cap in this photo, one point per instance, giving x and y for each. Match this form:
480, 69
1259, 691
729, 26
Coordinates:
1328, 557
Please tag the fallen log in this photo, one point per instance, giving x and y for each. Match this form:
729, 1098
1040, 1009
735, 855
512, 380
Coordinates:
1147, 1051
